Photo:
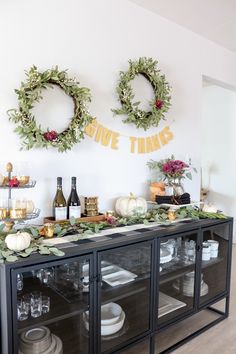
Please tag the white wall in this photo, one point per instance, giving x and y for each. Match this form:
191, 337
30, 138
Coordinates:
219, 147
94, 40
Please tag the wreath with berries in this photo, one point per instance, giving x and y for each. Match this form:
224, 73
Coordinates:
30, 91
147, 67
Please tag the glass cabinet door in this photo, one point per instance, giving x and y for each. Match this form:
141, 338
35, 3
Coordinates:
177, 271
215, 252
51, 308
125, 294
140, 348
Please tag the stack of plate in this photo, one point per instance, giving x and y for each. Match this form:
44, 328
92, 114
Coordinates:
165, 255
39, 340
112, 319
188, 285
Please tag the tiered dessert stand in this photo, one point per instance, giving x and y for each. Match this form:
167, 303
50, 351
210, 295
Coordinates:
9, 220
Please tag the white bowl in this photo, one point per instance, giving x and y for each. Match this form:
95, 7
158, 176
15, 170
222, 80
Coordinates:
110, 313
109, 329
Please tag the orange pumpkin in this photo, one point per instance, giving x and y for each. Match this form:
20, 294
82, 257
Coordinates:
156, 188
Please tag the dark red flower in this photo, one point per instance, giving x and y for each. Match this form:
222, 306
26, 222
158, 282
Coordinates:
50, 136
14, 182
54, 134
159, 104
111, 220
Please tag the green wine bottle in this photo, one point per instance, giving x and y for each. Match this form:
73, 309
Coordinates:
59, 203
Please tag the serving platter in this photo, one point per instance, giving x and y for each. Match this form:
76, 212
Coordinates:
168, 304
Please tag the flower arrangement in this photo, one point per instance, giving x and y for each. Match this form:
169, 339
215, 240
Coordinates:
171, 170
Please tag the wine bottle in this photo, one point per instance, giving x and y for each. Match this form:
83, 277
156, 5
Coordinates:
59, 203
73, 204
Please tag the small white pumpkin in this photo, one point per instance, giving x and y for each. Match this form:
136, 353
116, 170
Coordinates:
18, 242
128, 206
210, 208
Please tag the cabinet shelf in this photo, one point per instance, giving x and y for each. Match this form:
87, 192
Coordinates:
136, 321
175, 270
138, 286
60, 308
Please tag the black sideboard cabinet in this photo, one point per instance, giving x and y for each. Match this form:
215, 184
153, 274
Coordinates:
169, 288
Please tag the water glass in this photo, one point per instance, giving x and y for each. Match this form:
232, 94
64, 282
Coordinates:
19, 282
22, 310
36, 304
26, 300
45, 275
45, 304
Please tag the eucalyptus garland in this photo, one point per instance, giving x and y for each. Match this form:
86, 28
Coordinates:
146, 67
30, 92
36, 246
86, 229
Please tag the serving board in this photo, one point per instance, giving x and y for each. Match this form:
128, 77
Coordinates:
97, 218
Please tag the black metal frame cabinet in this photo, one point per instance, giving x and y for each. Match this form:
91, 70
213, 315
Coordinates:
160, 296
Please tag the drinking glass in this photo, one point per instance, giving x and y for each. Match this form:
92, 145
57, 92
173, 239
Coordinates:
45, 304
22, 310
27, 301
19, 282
36, 304
45, 275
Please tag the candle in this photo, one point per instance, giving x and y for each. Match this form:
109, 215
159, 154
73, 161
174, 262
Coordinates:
18, 213
171, 215
48, 230
3, 213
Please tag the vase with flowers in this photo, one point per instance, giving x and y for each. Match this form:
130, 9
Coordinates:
173, 172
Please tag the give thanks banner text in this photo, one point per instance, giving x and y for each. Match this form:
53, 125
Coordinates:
139, 145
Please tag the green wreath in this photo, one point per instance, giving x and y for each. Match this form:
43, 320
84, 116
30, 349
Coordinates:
146, 67
30, 92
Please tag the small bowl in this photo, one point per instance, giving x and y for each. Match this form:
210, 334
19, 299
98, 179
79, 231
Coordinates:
109, 329
110, 313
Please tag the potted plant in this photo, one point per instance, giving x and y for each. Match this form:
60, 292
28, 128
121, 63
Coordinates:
172, 172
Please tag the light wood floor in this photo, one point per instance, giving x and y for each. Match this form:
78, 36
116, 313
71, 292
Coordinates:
220, 339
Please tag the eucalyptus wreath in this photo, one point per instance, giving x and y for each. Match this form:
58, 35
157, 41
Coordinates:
146, 67
30, 91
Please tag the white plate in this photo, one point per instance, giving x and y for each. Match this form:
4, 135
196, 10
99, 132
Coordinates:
113, 274
165, 255
168, 304
119, 278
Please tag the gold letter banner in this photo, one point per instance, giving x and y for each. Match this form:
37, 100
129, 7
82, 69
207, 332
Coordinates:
144, 145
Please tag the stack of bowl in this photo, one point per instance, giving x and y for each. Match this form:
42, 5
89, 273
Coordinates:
112, 319
39, 340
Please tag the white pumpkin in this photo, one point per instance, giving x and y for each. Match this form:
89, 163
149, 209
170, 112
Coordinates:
2, 178
29, 206
210, 208
128, 206
18, 242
